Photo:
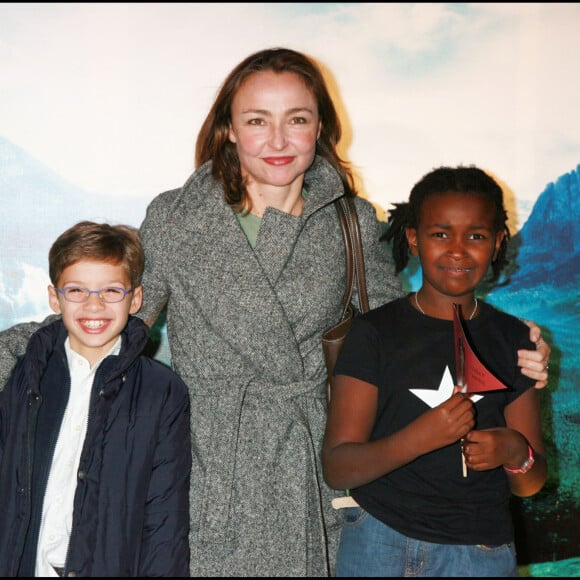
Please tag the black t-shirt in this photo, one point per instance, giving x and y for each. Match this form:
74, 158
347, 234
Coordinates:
396, 348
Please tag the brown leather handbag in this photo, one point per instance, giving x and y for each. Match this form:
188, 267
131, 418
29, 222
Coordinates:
333, 338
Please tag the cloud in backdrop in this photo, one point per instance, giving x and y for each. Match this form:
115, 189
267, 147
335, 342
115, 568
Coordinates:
111, 96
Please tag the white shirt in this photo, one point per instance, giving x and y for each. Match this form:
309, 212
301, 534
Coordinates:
57, 508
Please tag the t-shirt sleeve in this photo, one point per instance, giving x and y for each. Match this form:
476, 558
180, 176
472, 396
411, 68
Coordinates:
360, 353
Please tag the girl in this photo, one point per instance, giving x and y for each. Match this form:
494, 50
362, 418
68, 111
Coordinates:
397, 426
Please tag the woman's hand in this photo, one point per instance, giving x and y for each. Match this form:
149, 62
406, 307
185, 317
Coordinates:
534, 363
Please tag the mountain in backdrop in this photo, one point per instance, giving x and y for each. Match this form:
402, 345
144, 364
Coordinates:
546, 251
37, 206
543, 287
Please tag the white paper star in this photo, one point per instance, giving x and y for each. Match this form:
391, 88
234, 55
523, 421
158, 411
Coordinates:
445, 390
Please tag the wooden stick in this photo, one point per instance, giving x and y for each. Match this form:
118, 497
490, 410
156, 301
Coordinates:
463, 464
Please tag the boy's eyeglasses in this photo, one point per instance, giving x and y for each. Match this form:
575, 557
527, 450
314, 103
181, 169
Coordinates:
78, 294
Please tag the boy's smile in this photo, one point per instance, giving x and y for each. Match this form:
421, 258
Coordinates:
94, 325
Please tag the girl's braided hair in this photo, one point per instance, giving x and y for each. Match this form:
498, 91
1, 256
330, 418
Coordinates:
468, 180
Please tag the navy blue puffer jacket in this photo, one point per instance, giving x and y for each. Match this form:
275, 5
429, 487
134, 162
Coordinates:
131, 506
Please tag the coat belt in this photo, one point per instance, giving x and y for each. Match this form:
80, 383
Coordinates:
216, 504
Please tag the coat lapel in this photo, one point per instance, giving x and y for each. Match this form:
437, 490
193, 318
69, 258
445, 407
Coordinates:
234, 290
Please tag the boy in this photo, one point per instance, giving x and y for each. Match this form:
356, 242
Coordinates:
95, 447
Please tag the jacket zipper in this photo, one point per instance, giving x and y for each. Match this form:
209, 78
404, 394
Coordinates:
101, 394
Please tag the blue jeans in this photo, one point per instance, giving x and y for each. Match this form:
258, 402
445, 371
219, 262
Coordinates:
370, 548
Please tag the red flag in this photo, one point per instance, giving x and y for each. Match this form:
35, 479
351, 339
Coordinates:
472, 374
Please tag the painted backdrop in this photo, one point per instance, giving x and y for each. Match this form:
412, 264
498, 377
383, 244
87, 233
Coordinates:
100, 105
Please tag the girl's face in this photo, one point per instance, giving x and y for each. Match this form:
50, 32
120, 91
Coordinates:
275, 125
455, 242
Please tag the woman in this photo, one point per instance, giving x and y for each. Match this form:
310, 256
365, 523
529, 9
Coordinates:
248, 297
248, 259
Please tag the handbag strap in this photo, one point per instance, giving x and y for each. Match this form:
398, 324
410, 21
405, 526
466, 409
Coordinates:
355, 264
345, 229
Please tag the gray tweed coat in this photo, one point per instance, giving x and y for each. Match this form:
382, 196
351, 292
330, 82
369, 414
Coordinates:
244, 329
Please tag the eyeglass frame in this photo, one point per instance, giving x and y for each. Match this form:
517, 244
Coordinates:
97, 292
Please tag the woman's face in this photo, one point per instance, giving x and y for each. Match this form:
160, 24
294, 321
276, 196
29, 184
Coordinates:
275, 125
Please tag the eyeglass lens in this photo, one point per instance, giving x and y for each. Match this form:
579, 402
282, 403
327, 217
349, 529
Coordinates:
78, 294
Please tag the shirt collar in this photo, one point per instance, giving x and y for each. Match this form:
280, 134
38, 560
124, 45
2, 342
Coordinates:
73, 356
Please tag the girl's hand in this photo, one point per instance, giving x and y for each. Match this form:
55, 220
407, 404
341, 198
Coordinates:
534, 363
491, 448
444, 424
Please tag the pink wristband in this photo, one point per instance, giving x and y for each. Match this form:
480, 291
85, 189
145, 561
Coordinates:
527, 465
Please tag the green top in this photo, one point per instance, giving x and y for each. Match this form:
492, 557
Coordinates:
251, 224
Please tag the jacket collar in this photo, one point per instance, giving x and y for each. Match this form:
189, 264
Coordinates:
49, 341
